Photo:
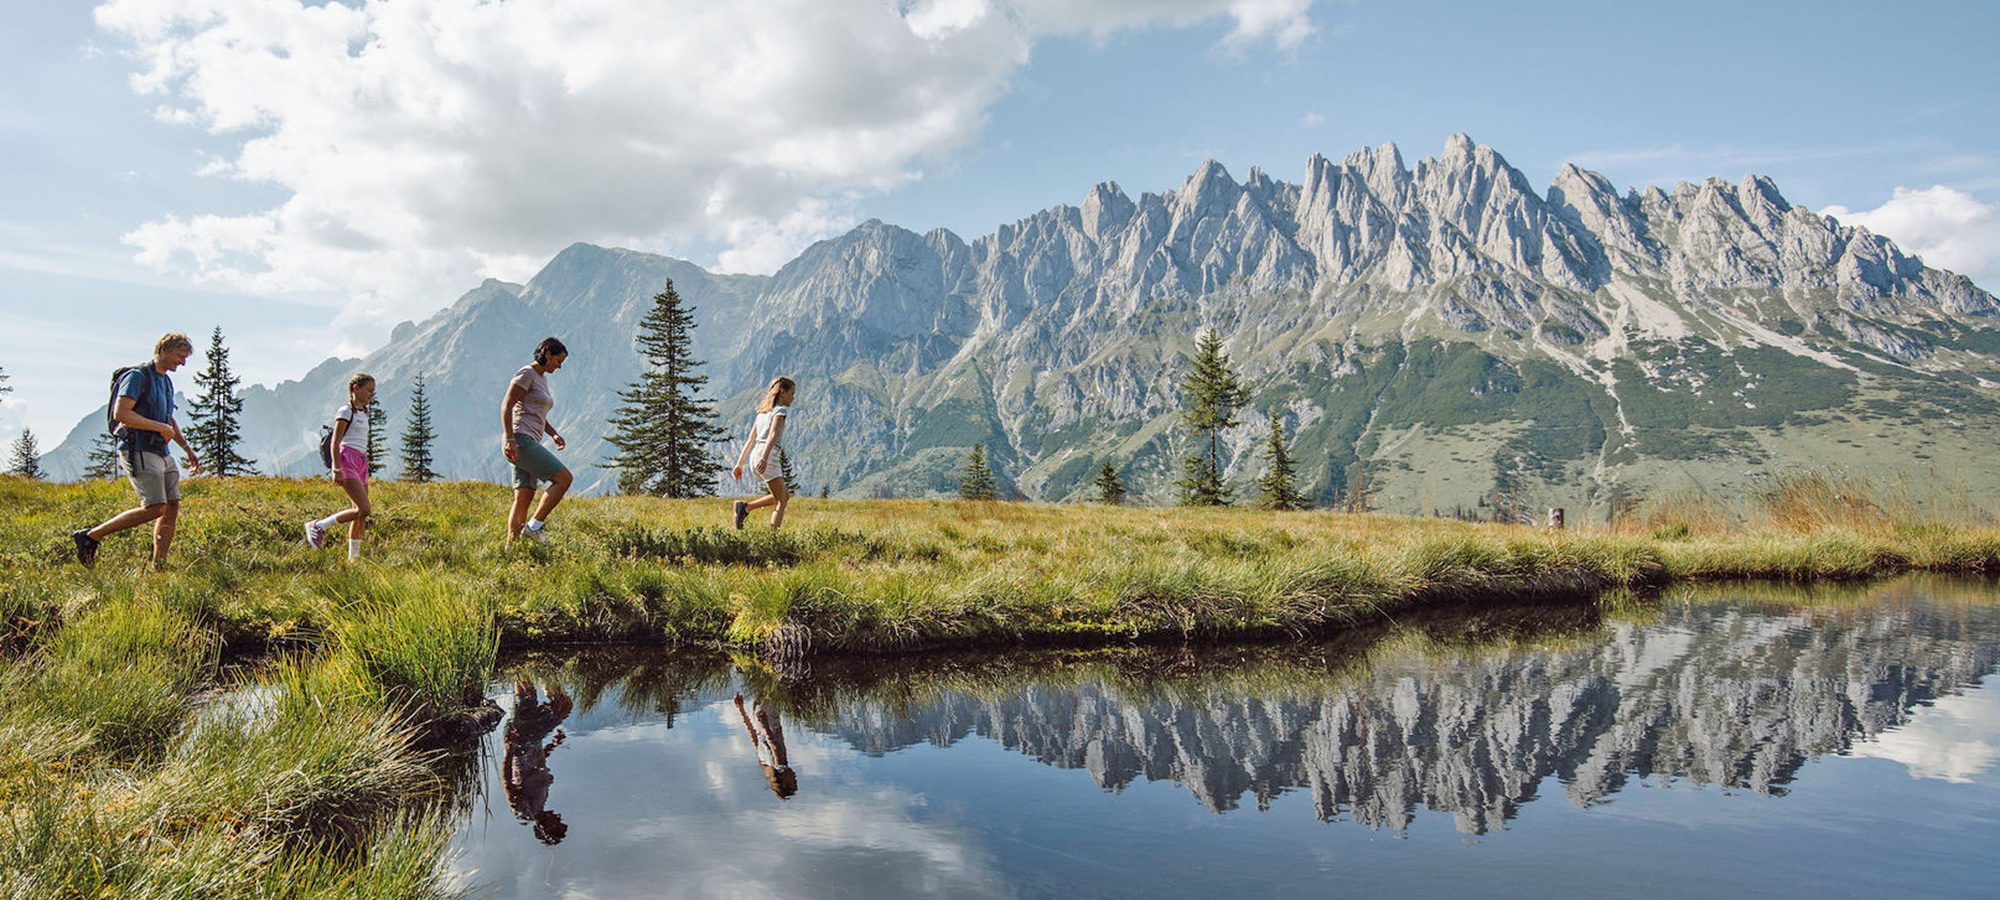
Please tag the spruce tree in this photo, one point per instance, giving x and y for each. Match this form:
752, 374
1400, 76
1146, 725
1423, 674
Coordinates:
664, 429
1109, 489
26, 460
216, 428
375, 449
978, 481
1275, 490
1212, 395
5, 388
417, 439
103, 460
785, 470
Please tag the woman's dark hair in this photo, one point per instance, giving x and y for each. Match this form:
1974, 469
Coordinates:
547, 348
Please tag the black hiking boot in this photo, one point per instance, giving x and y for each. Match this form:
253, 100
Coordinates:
86, 547
742, 512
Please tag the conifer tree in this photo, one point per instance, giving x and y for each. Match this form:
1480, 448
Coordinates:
375, 449
1212, 395
978, 481
1109, 489
664, 428
26, 460
785, 469
1276, 490
5, 388
216, 429
417, 439
103, 460
825, 490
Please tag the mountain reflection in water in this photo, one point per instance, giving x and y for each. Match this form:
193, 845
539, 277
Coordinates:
1471, 715
1733, 697
1464, 714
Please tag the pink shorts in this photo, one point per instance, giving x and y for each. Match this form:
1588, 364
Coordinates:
353, 464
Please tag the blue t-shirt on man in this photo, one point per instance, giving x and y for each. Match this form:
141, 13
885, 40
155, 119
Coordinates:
152, 394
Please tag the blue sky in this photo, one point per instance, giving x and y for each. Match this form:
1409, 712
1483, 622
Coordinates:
306, 175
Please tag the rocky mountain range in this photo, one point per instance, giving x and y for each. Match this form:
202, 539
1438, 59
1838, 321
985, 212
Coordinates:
1736, 697
1439, 337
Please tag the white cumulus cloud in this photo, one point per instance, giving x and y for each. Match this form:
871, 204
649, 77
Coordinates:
421, 144
1947, 228
1955, 739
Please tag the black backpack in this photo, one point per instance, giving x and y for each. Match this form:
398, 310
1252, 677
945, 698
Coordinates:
111, 406
326, 447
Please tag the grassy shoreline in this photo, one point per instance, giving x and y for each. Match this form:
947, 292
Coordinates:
882, 576
118, 778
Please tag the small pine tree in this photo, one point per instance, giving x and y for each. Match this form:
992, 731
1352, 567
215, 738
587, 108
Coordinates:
1109, 489
664, 429
26, 460
375, 448
978, 481
1212, 395
103, 460
1276, 490
5, 388
825, 490
216, 428
417, 439
785, 468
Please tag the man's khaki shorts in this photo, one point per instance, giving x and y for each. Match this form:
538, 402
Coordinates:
158, 479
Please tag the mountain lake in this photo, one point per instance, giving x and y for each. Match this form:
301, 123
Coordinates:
1720, 740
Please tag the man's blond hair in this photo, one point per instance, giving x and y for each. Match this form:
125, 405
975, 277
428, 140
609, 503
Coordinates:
172, 340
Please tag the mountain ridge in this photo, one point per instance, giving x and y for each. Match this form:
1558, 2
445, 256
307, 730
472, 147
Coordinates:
1055, 339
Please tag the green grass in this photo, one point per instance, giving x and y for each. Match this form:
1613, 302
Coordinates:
419, 615
319, 777
294, 786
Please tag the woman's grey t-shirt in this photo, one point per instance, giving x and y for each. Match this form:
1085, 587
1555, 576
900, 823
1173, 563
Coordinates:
531, 415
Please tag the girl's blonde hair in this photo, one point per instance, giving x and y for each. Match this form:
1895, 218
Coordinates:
359, 379
779, 385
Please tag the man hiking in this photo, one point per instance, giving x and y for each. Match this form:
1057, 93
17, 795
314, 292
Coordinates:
143, 406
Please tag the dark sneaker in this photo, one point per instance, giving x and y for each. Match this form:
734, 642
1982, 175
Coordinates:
86, 547
742, 512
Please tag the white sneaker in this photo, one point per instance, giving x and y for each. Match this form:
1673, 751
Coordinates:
538, 535
315, 535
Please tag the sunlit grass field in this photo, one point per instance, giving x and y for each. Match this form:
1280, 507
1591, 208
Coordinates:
889, 575
121, 774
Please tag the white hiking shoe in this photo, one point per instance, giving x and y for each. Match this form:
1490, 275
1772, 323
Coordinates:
538, 535
315, 535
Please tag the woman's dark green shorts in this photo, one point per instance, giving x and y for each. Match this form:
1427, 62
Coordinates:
533, 463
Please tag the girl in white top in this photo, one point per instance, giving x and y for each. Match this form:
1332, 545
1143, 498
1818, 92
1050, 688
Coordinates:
761, 452
350, 467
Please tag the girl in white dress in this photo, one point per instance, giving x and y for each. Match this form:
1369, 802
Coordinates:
760, 453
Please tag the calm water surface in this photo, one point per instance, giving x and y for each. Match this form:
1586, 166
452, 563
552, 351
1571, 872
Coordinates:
1738, 740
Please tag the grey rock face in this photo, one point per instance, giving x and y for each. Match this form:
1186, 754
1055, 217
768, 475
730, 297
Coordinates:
1059, 340
1076, 320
